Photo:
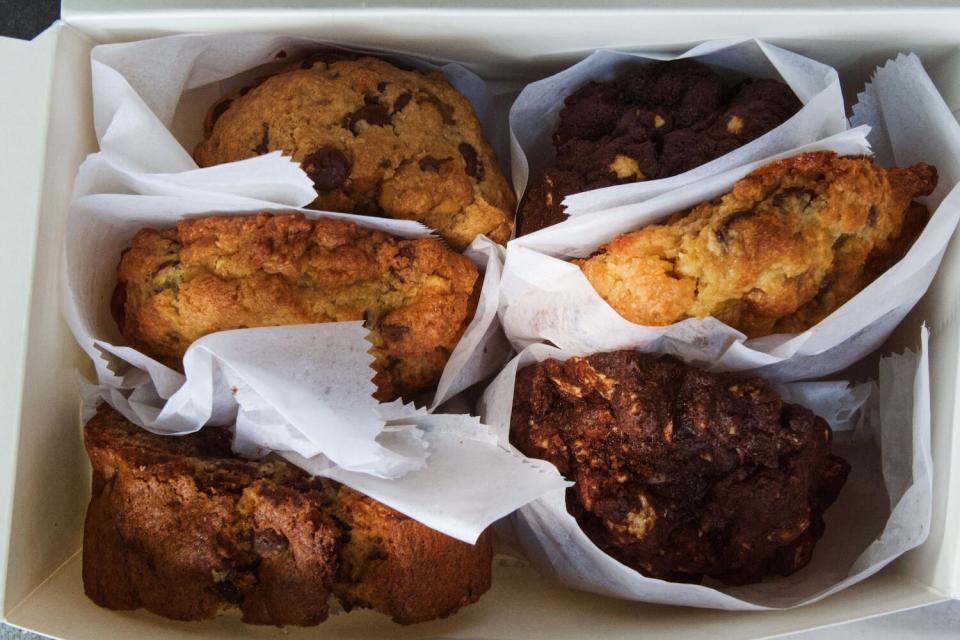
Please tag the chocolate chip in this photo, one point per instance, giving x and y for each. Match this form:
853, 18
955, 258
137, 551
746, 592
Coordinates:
229, 592
163, 265
407, 251
371, 100
446, 111
394, 332
263, 146
471, 162
792, 192
381, 86
219, 110
402, 100
724, 227
429, 163
374, 114
269, 542
384, 164
825, 285
327, 167
281, 54
872, 216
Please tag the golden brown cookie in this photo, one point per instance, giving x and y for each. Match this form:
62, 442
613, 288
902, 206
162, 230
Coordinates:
375, 140
229, 272
182, 527
787, 246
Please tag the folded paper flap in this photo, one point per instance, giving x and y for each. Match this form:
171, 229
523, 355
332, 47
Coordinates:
468, 483
863, 533
535, 114
271, 178
904, 135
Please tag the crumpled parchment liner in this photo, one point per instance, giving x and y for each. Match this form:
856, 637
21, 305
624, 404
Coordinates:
865, 529
536, 113
544, 297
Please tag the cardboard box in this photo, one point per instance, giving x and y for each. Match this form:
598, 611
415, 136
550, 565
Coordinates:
47, 130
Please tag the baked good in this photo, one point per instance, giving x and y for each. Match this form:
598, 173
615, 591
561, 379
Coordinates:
227, 272
681, 473
375, 140
183, 528
652, 121
782, 250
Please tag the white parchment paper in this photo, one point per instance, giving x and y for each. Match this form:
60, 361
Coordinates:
536, 113
545, 297
883, 511
303, 391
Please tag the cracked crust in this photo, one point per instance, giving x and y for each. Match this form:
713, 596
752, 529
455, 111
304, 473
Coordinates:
653, 121
229, 272
181, 527
375, 139
786, 247
681, 473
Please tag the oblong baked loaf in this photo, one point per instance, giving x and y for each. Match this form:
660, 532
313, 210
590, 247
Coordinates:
375, 139
787, 246
681, 473
180, 526
228, 272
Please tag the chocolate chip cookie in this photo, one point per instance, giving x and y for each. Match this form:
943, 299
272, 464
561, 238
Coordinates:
217, 273
781, 251
375, 140
653, 121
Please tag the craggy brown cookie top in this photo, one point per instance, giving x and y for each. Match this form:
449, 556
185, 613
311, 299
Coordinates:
228, 272
375, 140
680, 473
781, 251
183, 527
653, 121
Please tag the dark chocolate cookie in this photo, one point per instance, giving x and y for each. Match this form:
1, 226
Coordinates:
681, 473
653, 121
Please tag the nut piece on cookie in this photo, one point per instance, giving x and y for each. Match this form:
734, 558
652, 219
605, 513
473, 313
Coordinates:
681, 473
229, 272
653, 121
184, 528
787, 246
375, 140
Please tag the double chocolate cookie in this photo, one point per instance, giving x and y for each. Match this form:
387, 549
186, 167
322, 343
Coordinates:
653, 121
375, 140
681, 473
